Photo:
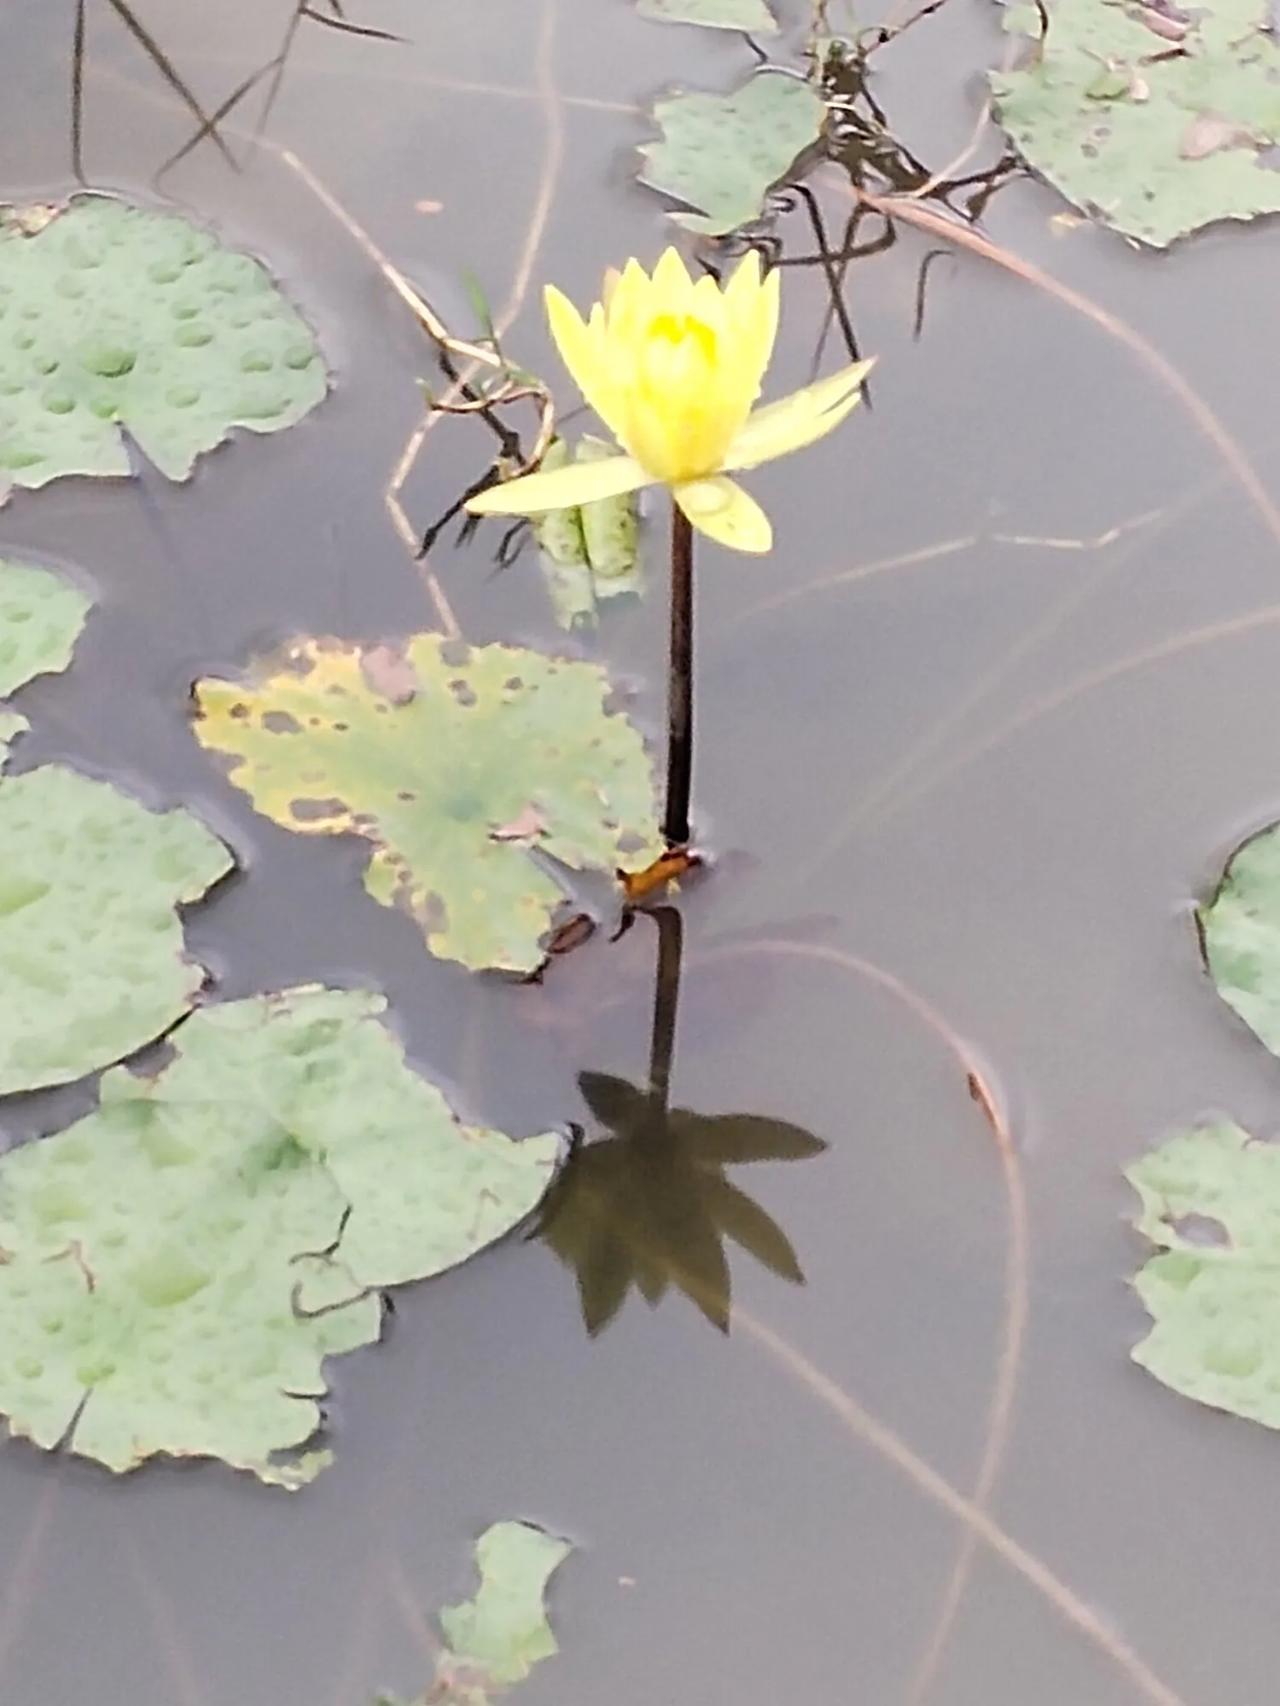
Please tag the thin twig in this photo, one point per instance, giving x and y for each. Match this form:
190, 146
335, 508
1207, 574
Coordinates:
912, 212
171, 75
222, 112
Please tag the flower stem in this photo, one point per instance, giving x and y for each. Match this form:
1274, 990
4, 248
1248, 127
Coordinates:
675, 824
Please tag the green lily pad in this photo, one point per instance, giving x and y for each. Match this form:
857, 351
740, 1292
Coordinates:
179, 1263
750, 15
590, 553
1154, 141
1240, 929
722, 154
117, 319
1211, 1203
41, 616
91, 952
455, 762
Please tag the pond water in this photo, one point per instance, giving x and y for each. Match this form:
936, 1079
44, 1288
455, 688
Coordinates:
971, 741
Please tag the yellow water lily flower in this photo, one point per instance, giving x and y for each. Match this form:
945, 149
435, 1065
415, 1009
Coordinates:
673, 367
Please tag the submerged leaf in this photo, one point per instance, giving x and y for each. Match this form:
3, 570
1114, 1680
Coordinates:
497, 1637
433, 781
750, 15
1156, 141
589, 552
721, 154
1240, 929
1211, 1202
179, 1263
118, 319
91, 950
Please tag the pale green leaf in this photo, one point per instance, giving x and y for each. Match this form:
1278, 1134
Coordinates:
179, 1263
750, 15
1241, 932
721, 154
496, 1638
91, 951
116, 319
1211, 1203
454, 762
41, 616
1155, 124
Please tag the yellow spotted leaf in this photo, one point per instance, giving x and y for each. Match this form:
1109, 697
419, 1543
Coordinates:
431, 751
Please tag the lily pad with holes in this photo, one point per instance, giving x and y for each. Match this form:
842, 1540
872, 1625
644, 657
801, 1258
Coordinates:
1156, 118
752, 16
1240, 928
455, 762
1211, 1205
91, 952
179, 1264
721, 154
118, 320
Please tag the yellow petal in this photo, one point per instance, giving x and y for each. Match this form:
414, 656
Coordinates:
798, 420
581, 348
672, 285
561, 488
724, 512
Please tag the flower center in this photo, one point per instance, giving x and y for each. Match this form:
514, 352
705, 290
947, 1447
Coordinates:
677, 329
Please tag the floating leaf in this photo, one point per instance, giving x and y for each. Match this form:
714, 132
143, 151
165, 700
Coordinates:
432, 780
41, 616
91, 953
179, 1263
1240, 929
1211, 1202
721, 154
750, 15
496, 1638
589, 552
116, 319
1156, 119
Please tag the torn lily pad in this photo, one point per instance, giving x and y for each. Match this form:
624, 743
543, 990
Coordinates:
92, 964
722, 154
1211, 1204
1158, 119
495, 1639
118, 320
589, 553
500, 1635
179, 1264
454, 762
1240, 930
751, 16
